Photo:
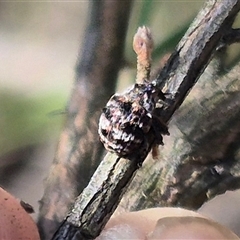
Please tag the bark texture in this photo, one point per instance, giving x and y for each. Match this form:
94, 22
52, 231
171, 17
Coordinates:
201, 157
79, 150
187, 173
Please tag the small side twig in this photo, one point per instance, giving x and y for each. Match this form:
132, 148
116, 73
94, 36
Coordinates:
233, 36
143, 46
91, 212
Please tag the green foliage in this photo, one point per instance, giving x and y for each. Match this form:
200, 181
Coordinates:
27, 121
156, 15
170, 42
145, 12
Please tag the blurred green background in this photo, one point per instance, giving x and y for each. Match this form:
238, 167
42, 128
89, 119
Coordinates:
39, 45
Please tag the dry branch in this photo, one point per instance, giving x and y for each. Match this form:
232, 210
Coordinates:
98, 201
79, 148
232, 37
201, 157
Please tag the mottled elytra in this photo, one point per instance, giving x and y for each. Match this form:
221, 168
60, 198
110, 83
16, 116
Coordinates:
128, 118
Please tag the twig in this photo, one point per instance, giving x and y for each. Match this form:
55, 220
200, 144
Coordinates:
129, 117
233, 36
200, 159
143, 46
194, 51
78, 151
91, 212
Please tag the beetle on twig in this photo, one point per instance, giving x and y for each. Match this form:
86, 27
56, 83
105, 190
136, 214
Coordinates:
129, 117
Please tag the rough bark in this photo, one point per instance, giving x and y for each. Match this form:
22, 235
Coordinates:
79, 150
173, 177
201, 158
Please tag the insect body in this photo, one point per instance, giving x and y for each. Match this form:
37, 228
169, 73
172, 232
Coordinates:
128, 118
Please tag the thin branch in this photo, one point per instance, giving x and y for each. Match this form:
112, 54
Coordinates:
98, 201
78, 151
194, 51
200, 159
231, 37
